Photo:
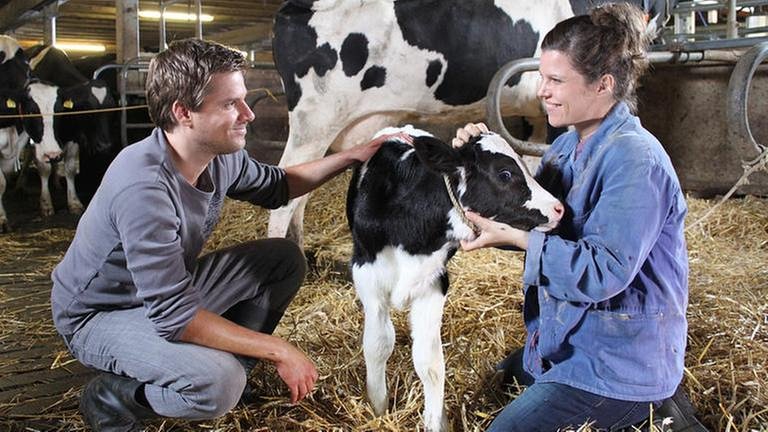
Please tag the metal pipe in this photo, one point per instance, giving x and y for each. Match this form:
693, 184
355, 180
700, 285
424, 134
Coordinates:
199, 29
738, 96
732, 28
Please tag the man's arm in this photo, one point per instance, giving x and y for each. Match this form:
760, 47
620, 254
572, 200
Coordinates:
308, 176
293, 366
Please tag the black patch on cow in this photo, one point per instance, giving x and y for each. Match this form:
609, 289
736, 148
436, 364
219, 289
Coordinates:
459, 31
14, 71
354, 53
295, 49
433, 71
55, 67
375, 76
91, 131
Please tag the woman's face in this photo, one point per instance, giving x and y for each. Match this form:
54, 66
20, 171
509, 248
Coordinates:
567, 96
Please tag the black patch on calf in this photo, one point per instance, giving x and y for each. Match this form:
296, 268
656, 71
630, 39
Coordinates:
398, 203
375, 76
354, 53
459, 31
433, 72
295, 48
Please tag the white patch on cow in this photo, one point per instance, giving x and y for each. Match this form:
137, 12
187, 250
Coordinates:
9, 46
34, 61
407, 129
45, 96
408, 153
100, 93
541, 200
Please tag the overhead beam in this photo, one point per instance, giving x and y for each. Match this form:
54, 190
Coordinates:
253, 33
19, 12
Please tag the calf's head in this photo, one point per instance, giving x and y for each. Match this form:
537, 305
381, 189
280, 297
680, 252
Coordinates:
492, 181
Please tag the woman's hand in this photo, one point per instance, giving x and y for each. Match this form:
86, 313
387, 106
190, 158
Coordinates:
463, 135
494, 234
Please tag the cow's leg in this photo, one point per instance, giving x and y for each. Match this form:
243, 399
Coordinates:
71, 169
426, 315
3, 217
378, 336
302, 146
44, 170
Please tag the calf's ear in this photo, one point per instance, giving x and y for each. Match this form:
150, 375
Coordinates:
436, 155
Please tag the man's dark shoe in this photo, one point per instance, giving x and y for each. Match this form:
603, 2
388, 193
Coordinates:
681, 411
108, 404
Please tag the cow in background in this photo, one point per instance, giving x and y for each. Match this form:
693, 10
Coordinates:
405, 228
14, 74
350, 68
91, 131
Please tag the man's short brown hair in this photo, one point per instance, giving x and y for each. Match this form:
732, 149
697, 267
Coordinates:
182, 73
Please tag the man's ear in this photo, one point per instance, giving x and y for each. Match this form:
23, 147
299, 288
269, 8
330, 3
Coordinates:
436, 155
182, 114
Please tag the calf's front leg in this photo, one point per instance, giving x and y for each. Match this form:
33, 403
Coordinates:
426, 316
378, 338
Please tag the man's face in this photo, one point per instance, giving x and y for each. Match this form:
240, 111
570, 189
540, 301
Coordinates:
220, 122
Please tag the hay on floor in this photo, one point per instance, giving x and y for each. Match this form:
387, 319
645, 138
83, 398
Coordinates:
725, 364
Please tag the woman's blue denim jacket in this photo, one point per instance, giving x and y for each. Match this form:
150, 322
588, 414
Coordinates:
606, 295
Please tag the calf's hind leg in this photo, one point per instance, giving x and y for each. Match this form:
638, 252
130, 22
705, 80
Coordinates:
426, 315
378, 338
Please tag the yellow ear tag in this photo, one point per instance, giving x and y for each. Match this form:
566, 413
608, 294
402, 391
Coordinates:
10, 103
68, 104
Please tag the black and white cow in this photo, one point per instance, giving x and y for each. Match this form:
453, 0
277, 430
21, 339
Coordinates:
14, 74
350, 68
91, 131
405, 229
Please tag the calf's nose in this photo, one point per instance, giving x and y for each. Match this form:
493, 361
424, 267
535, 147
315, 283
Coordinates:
558, 210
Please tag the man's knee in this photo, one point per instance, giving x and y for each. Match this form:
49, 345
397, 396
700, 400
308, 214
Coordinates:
217, 390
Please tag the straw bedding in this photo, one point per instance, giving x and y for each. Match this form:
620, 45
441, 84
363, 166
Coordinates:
728, 328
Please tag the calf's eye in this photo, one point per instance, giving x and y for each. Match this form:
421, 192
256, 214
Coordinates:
505, 175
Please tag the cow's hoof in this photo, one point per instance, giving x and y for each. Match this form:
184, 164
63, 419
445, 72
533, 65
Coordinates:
4, 227
76, 209
46, 212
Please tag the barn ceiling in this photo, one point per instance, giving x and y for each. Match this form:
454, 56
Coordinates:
236, 22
